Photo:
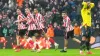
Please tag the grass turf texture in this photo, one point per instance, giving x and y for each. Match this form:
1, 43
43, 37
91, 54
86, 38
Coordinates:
51, 52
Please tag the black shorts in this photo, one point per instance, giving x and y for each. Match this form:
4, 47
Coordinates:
69, 34
39, 31
34, 32
22, 32
86, 32
87, 37
31, 33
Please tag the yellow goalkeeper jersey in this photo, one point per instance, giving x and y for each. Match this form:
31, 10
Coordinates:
86, 13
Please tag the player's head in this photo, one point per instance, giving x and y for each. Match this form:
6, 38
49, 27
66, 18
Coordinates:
18, 11
50, 25
76, 24
35, 10
27, 10
88, 3
64, 14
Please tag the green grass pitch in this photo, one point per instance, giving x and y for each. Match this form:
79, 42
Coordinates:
50, 52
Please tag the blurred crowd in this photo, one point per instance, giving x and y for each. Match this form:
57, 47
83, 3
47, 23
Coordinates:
50, 9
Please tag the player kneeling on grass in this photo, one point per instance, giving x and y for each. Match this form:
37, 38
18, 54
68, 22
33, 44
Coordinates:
68, 31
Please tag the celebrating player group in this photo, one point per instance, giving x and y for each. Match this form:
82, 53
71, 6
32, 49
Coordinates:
31, 32
30, 29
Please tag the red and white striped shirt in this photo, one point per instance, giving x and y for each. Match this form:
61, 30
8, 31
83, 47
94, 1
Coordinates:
67, 24
20, 23
39, 21
30, 22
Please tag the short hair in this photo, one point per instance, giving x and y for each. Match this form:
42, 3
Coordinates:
27, 8
19, 8
86, 0
64, 12
36, 9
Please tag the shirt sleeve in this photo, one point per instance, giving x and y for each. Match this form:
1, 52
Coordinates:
19, 19
92, 5
84, 5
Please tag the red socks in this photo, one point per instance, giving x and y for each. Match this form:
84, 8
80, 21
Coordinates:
51, 40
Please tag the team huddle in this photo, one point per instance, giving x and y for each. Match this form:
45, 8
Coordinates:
32, 27
31, 32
